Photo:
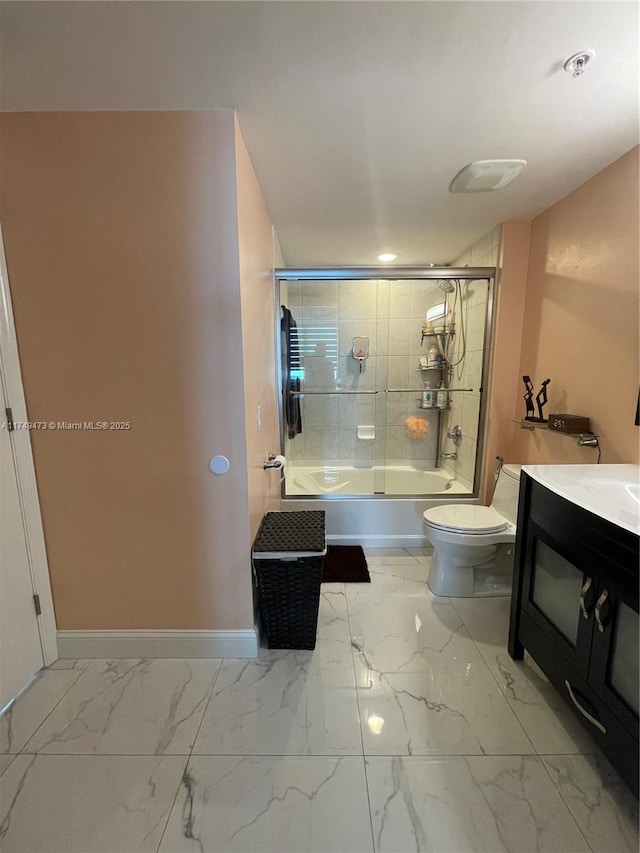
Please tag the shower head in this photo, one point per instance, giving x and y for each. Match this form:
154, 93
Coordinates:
446, 285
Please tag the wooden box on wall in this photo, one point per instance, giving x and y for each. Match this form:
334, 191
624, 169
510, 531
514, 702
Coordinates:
571, 424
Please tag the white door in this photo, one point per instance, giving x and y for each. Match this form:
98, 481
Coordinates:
20, 650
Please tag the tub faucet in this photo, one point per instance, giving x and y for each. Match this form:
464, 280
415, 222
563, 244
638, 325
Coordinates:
453, 455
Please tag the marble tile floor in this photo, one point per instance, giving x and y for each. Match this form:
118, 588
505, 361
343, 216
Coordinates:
409, 728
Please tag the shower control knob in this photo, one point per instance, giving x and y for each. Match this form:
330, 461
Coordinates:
455, 435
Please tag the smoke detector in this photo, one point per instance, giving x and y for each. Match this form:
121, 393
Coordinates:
483, 176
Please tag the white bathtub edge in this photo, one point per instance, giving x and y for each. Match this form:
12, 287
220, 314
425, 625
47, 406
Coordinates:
380, 541
379, 522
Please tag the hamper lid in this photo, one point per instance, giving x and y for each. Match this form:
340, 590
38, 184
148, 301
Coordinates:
291, 533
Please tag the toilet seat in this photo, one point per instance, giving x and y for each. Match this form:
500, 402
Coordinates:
465, 518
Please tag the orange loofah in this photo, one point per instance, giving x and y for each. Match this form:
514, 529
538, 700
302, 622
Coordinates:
417, 428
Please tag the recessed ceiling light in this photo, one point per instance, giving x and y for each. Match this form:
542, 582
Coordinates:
483, 176
385, 257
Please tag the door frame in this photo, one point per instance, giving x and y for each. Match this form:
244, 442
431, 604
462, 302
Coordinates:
25, 470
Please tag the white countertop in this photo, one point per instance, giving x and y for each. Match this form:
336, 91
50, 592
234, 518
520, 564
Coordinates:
610, 491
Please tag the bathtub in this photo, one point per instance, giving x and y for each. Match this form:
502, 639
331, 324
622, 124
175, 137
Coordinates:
355, 516
392, 480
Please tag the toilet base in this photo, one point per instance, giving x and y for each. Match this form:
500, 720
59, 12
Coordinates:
490, 573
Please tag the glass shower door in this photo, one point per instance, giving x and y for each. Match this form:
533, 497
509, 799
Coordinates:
412, 430
335, 383
362, 354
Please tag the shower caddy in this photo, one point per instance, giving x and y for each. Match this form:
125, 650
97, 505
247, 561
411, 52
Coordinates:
443, 369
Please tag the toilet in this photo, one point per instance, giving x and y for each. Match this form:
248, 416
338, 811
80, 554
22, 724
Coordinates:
473, 545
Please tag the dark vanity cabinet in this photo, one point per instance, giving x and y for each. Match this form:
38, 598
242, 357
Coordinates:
574, 609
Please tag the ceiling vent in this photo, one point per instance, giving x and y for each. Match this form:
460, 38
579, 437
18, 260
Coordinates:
483, 176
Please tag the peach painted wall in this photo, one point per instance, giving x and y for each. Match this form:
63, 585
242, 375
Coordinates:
258, 338
505, 382
121, 234
581, 317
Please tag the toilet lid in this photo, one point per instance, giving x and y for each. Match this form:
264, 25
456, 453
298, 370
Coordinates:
466, 518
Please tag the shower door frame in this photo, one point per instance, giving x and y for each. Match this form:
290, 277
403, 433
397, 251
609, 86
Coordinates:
385, 273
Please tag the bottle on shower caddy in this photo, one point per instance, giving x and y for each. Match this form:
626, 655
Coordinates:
442, 398
432, 356
427, 396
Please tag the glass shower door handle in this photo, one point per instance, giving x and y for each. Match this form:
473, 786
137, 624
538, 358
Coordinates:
587, 596
419, 390
328, 393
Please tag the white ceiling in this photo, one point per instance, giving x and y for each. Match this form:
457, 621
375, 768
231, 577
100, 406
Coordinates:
358, 114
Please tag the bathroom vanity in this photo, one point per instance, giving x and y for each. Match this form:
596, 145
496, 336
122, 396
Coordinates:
574, 606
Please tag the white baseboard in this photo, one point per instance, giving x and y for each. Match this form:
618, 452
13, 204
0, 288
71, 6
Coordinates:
402, 541
158, 644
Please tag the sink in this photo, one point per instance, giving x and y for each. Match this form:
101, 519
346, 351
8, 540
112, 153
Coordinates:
633, 489
626, 494
610, 491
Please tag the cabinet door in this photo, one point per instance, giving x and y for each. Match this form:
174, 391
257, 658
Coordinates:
615, 659
559, 596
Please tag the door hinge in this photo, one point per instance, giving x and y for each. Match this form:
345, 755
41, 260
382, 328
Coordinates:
10, 424
36, 604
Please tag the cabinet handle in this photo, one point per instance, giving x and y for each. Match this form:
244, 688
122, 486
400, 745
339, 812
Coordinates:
602, 615
584, 712
586, 597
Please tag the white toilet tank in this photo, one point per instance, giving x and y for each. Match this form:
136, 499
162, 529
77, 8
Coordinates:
505, 496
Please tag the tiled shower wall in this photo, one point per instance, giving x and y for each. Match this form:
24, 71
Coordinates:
465, 407
329, 315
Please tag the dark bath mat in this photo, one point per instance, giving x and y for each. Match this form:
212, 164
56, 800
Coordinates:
345, 564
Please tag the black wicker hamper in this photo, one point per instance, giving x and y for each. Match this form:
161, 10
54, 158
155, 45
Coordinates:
287, 563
